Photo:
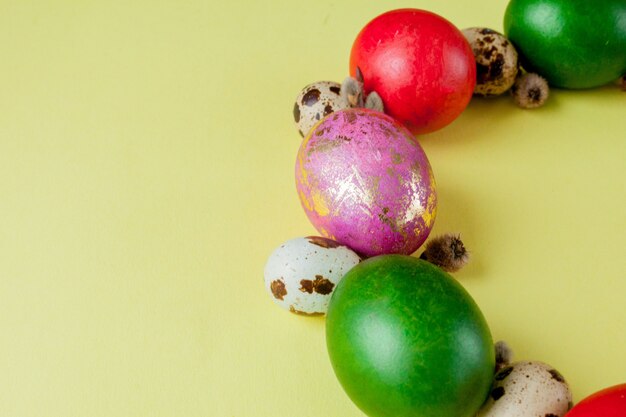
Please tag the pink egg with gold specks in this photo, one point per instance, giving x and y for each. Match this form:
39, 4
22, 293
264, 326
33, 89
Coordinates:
365, 182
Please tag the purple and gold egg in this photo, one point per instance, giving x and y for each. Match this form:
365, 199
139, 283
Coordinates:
365, 182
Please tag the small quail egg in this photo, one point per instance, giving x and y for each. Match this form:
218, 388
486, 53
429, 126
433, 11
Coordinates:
301, 274
316, 101
496, 61
527, 389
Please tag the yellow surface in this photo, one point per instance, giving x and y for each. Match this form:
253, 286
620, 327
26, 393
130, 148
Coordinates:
146, 173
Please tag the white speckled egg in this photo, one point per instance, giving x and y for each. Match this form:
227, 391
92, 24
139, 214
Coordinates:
316, 101
496, 61
527, 389
302, 273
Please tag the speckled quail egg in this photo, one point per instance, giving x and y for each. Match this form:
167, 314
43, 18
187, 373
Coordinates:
301, 274
316, 101
496, 61
527, 389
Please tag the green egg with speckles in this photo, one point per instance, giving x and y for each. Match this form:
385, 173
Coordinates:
572, 43
405, 339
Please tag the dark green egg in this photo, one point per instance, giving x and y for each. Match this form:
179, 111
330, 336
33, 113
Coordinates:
405, 340
572, 43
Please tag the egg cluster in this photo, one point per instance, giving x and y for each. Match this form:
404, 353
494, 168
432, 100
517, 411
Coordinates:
404, 338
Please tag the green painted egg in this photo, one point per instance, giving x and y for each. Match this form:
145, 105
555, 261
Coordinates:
405, 339
572, 43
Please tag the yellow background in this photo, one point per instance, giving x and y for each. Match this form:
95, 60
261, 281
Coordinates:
146, 173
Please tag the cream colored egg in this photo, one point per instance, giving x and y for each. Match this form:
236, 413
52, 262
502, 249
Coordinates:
528, 389
496, 61
316, 101
301, 274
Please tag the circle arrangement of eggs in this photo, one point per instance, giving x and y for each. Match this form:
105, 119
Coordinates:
367, 187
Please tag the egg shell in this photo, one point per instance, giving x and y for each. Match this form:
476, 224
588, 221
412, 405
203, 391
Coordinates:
496, 61
420, 65
316, 101
608, 402
528, 389
364, 181
301, 274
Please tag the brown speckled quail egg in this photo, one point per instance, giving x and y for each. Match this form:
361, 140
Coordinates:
527, 389
301, 274
316, 101
496, 61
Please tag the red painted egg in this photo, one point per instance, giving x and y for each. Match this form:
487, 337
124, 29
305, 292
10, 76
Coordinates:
419, 63
609, 402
